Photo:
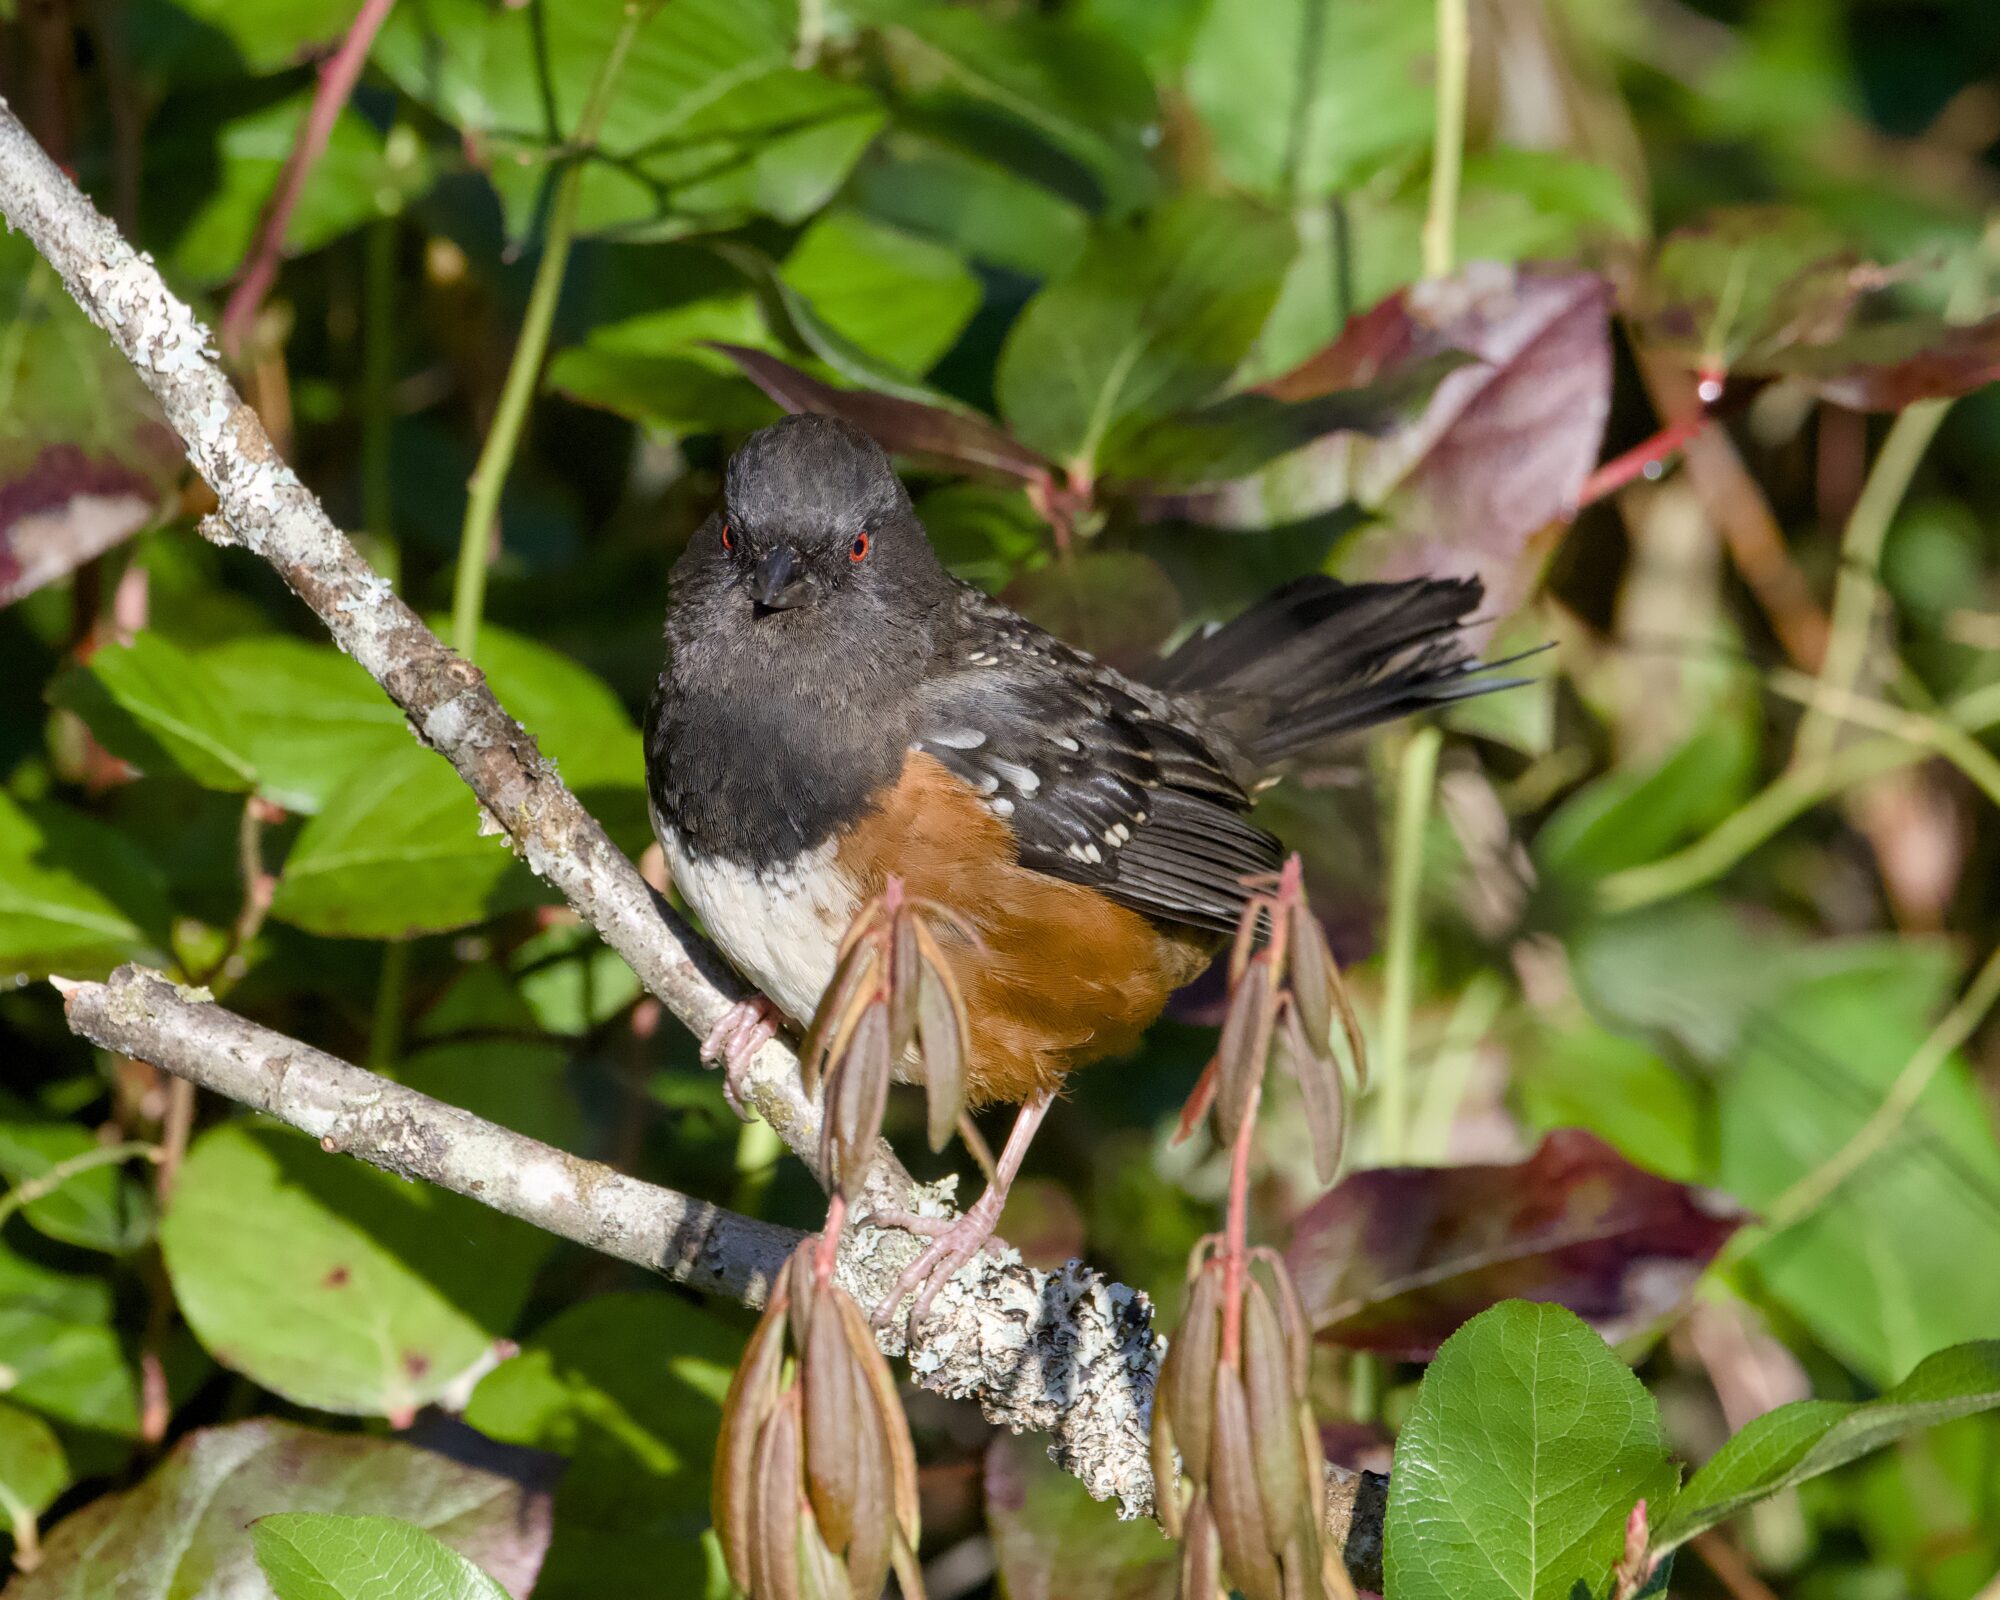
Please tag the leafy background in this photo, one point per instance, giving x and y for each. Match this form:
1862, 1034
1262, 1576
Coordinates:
1651, 908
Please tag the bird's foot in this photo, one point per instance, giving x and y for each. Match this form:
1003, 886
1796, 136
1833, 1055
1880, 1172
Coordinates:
733, 1043
954, 1243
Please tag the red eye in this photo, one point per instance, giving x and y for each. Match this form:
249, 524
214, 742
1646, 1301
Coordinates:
727, 542
858, 551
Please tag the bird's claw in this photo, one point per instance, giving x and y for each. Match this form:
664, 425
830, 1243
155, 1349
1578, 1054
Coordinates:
733, 1043
953, 1244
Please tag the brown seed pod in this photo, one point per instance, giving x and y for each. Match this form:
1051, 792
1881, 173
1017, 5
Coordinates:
753, 1395
857, 1095
852, 989
1322, 1097
1272, 1402
1247, 1549
1201, 1554
944, 1036
1191, 1400
1245, 1046
777, 1505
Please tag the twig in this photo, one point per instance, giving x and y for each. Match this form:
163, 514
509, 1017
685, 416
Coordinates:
336, 82
1092, 1347
43, 1184
1784, 798
1065, 1353
1861, 557
524, 371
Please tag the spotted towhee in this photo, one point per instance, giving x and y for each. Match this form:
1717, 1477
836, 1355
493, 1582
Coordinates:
836, 707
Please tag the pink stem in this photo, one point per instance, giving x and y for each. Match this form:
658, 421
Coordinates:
1621, 470
336, 82
1236, 1229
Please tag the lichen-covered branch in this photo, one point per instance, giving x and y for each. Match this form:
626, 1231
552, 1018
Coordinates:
1069, 1353
1064, 1353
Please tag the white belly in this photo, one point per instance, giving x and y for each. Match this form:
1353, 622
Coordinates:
779, 926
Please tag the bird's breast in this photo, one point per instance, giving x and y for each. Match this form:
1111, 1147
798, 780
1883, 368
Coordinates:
780, 924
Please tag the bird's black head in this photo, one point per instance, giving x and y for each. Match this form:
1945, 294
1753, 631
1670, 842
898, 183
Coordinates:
814, 568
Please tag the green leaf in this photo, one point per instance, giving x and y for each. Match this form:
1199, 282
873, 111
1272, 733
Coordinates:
1903, 1258
655, 368
76, 897
708, 119
332, 1283
1620, 1089
1529, 1445
1634, 815
514, 1082
1152, 320
1809, 1437
396, 850
576, 719
216, 178
313, 1555
159, 708
32, 1469
98, 1208
307, 716
1051, 1541
898, 297
180, 1535
1117, 604
60, 1349
260, 35
1081, 90
628, 1388
977, 207
1304, 98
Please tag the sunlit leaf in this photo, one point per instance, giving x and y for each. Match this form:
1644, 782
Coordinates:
1809, 1437
1152, 320
181, 1534
1529, 1445
335, 1284
316, 1555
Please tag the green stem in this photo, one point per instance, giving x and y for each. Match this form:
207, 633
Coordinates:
524, 371
1796, 790
378, 376
385, 1027
1454, 55
44, 1184
1854, 597
1406, 862
1451, 1068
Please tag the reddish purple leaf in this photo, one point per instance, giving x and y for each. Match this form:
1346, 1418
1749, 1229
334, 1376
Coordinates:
64, 509
1893, 364
1395, 1259
1505, 446
1500, 451
957, 440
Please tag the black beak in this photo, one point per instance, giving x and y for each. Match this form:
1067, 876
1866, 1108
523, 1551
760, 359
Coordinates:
777, 584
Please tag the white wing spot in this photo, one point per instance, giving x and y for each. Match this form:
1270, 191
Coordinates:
1063, 741
958, 738
1023, 778
1000, 806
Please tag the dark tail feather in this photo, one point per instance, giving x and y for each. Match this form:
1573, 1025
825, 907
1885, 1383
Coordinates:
1319, 657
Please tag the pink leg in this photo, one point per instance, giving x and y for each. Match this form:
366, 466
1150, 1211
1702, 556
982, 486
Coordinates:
745, 1028
963, 1239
